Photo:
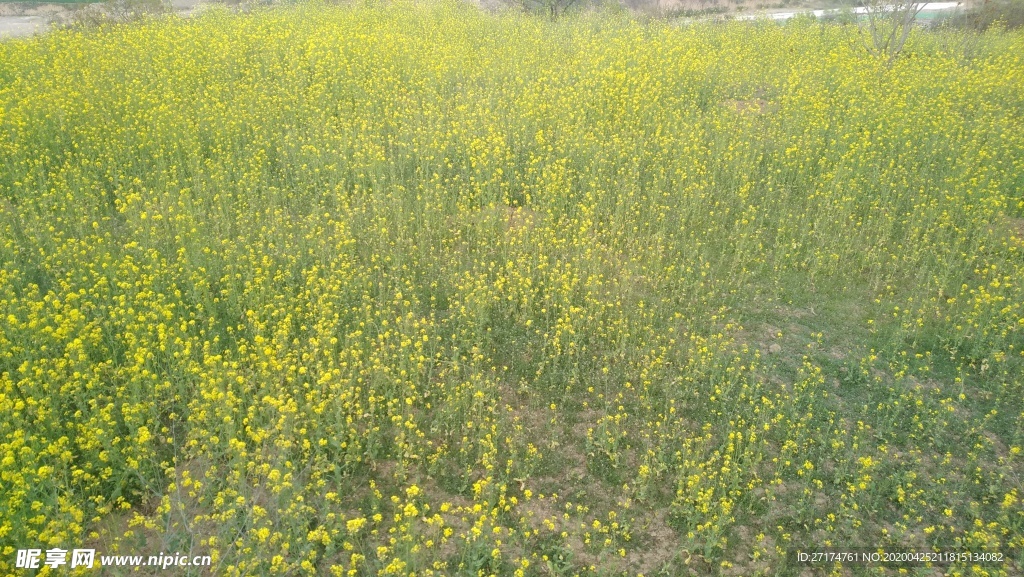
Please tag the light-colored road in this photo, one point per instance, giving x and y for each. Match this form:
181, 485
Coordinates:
22, 25
928, 9
24, 19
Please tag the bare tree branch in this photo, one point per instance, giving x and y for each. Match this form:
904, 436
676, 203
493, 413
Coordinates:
889, 23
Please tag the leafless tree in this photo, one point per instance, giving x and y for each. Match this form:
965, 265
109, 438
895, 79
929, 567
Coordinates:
553, 7
887, 26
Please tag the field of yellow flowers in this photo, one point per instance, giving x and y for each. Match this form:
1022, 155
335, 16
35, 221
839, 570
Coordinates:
421, 290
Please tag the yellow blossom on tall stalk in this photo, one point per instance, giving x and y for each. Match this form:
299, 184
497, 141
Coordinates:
420, 289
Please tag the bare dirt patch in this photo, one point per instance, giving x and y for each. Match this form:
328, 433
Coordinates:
753, 105
1015, 228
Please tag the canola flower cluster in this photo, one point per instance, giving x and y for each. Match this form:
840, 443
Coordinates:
419, 290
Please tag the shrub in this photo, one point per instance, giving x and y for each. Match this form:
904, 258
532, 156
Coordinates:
112, 11
1006, 13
